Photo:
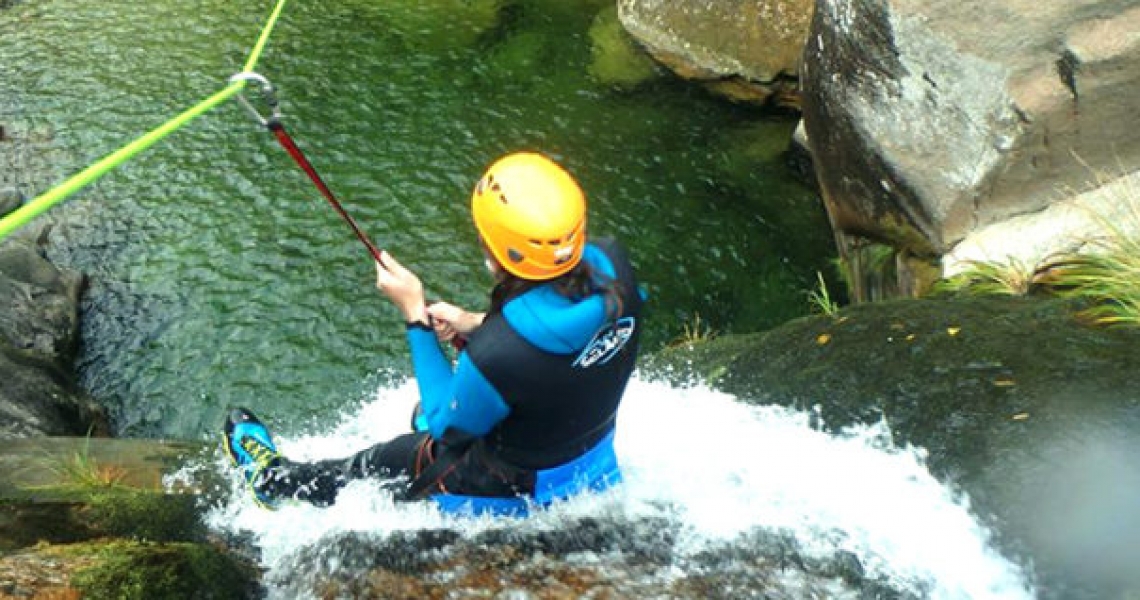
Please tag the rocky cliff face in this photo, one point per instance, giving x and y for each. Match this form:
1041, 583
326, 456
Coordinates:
930, 122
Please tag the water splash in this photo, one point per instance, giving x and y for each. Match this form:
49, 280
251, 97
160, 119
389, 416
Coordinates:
717, 469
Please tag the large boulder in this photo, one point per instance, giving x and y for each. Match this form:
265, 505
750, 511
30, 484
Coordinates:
748, 50
1033, 414
929, 121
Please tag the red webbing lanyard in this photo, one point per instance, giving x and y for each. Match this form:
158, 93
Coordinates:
273, 124
282, 136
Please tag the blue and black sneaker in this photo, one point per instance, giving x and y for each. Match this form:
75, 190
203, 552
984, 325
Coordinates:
251, 449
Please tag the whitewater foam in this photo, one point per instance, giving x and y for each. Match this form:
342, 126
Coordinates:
701, 458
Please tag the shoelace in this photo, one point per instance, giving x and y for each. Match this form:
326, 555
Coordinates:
261, 453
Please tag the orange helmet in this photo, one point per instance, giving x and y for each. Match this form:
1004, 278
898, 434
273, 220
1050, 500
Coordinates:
531, 215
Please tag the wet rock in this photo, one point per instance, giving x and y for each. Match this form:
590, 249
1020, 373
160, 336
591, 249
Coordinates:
799, 158
39, 336
1029, 411
10, 197
746, 50
927, 123
582, 558
42, 312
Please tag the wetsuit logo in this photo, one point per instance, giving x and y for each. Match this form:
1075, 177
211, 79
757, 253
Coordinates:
607, 342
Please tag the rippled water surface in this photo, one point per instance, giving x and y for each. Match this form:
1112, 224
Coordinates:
219, 275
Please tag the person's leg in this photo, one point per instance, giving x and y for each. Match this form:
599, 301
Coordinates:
319, 482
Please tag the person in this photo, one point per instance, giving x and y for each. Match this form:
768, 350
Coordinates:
526, 415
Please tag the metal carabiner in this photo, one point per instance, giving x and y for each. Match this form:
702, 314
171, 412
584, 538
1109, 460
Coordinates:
267, 92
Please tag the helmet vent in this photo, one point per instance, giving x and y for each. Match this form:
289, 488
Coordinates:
514, 255
498, 189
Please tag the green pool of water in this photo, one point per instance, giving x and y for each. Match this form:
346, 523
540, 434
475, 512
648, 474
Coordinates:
219, 276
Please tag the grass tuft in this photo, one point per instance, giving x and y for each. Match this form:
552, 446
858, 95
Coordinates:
694, 332
1013, 277
79, 469
1104, 275
820, 299
1108, 278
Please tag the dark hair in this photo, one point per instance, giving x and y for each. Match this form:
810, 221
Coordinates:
580, 282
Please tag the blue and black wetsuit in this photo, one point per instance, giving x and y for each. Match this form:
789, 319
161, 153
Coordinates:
527, 414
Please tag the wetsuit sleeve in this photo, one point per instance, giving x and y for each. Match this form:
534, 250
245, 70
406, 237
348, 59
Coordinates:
462, 400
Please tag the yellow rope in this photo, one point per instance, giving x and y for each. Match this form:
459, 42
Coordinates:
61, 192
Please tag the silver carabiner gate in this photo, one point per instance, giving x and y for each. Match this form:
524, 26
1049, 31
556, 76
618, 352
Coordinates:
267, 93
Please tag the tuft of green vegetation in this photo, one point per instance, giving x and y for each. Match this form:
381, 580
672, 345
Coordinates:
1104, 275
694, 332
1013, 277
80, 470
1107, 276
1107, 273
820, 299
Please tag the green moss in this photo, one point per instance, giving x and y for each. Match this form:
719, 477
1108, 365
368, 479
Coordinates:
617, 60
133, 570
902, 234
68, 514
698, 362
145, 515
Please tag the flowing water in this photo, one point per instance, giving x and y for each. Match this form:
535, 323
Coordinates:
219, 276
715, 490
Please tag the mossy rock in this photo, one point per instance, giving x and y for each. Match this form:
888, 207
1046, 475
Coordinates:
65, 515
520, 55
144, 515
128, 571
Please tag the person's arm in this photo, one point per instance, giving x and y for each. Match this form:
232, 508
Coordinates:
463, 400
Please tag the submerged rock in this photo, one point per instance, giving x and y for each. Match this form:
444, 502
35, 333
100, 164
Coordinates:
617, 60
